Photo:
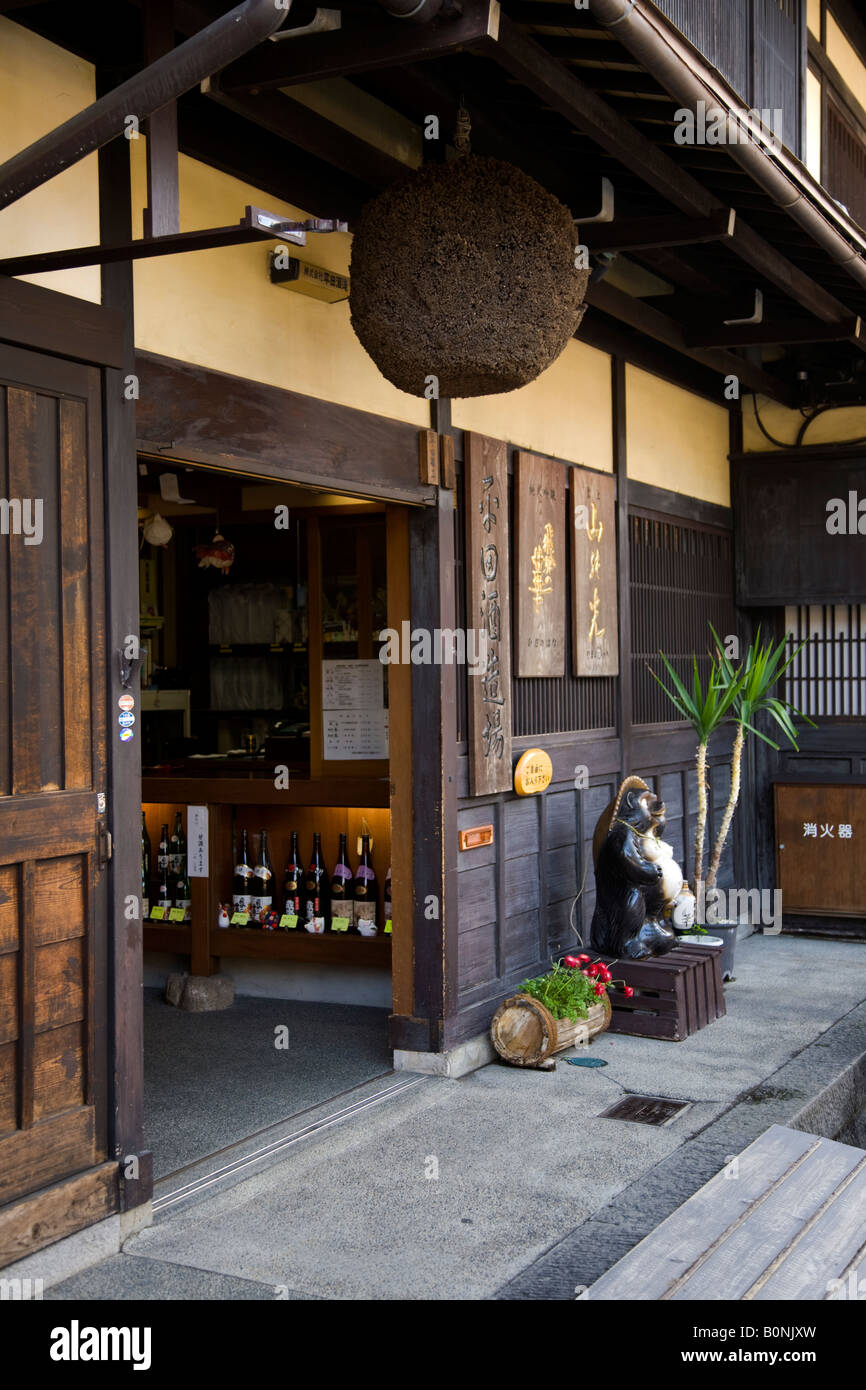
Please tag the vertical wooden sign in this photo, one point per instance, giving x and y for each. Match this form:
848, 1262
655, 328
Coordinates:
539, 494
593, 574
488, 607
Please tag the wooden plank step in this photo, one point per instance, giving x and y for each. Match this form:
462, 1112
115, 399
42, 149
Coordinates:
786, 1219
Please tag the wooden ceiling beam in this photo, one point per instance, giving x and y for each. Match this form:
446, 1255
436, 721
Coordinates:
310, 131
560, 89
775, 334
353, 50
640, 233
654, 324
551, 15
678, 270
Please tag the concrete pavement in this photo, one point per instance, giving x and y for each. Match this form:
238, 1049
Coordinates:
505, 1183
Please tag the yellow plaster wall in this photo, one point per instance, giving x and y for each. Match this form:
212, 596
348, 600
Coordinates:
219, 309
833, 427
675, 439
565, 412
41, 86
846, 60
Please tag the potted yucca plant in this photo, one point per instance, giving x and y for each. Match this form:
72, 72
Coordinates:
738, 695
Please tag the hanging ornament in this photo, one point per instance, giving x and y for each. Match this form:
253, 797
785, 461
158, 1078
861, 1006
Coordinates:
463, 280
156, 530
220, 553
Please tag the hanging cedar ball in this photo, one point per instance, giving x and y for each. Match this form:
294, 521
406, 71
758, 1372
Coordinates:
465, 272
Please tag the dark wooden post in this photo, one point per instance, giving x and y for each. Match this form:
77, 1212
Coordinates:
124, 782
625, 708
434, 762
162, 214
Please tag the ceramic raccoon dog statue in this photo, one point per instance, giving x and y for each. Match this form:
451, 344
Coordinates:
634, 875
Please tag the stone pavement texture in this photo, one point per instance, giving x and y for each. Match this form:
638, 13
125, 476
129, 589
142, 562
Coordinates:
504, 1184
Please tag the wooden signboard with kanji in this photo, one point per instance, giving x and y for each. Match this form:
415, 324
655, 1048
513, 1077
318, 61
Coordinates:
488, 609
539, 494
594, 638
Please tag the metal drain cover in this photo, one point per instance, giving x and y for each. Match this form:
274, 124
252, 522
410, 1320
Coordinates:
645, 1110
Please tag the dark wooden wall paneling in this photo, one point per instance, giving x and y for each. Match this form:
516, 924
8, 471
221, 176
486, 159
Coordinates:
516, 897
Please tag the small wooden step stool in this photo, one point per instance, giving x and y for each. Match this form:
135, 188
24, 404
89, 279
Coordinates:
674, 995
786, 1219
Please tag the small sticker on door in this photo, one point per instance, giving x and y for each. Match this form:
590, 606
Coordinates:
126, 702
126, 735
126, 720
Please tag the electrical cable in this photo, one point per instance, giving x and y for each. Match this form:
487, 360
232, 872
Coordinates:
819, 410
765, 432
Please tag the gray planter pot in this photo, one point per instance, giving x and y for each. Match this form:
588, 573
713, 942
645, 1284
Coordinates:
716, 935
728, 932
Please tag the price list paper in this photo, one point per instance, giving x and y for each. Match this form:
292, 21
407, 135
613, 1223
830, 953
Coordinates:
354, 718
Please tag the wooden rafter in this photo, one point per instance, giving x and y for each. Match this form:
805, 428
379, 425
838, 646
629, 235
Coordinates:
561, 90
654, 324
776, 333
383, 45
642, 233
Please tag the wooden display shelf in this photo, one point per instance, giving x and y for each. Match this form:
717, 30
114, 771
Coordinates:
173, 938
333, 948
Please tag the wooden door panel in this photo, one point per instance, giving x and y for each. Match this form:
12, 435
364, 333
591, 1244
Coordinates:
819, 872
34, 827
53, 916
61, 899
59, 1070
51, 1149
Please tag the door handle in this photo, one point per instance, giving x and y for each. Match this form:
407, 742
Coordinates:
104, 845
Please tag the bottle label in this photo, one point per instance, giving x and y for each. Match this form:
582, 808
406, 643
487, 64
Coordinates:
342, 871
364, 872
162, 861
145, 908
263, 873
241, 902
243, 871
365, 918
315, 922
261, 905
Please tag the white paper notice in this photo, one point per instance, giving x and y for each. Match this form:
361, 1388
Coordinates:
196, 841
354, 719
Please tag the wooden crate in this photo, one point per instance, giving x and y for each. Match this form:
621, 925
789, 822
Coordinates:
674, 995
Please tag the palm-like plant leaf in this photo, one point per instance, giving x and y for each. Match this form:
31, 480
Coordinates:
762, 669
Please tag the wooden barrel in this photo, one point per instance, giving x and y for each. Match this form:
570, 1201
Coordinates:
525, 1033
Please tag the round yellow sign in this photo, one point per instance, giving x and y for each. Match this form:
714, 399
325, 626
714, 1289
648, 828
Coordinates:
533, 772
